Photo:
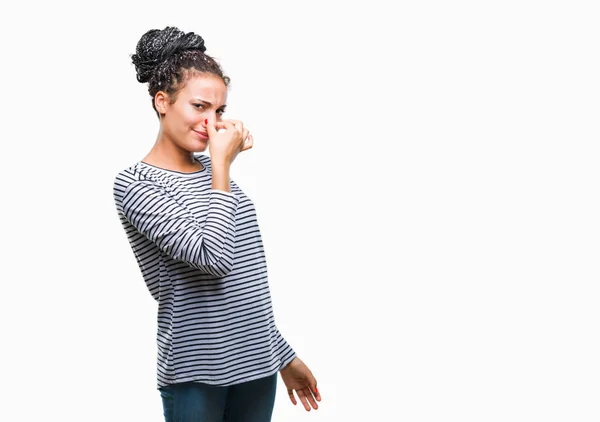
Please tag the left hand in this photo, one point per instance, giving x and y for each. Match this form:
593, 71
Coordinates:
297, 377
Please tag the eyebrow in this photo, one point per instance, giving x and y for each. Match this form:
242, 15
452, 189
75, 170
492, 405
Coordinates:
200, 100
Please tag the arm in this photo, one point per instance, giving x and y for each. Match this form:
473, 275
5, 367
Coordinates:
220, 175
208, 247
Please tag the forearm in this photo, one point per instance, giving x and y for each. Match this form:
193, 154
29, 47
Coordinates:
207, 246
220, 175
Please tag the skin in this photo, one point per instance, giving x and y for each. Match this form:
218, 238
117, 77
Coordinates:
298, 378
198, 107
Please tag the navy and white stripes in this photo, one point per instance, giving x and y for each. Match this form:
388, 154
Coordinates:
201, 255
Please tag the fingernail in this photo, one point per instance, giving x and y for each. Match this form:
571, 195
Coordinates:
205, 121
316, 390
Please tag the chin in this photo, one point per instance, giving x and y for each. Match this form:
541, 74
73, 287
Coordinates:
201, 148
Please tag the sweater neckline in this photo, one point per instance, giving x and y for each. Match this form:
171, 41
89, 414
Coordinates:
179, 173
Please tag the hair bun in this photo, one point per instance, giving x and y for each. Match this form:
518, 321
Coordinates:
157, 45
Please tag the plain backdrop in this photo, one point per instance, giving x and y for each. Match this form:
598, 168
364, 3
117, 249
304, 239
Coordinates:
426, 180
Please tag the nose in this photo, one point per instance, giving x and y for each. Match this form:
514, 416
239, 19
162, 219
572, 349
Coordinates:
210, 116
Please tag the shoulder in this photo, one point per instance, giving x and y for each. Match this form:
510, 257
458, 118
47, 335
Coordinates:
204, 159
134, 175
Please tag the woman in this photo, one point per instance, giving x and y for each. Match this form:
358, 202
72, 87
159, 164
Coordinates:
196, 240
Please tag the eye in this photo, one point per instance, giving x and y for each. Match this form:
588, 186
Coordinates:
199, 106
220, 112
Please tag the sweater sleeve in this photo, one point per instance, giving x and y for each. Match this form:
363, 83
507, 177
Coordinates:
205, 245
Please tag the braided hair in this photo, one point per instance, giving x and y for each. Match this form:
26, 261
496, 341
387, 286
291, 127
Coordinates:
166, 58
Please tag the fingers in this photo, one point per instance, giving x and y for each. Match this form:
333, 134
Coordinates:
224, 124
309, 396
313, 388
292, 398
231, 125
307, 399
303, 400
239, 125
317, 394
246, 139
249, 143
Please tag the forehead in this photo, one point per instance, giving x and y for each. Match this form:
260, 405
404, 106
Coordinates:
210, 88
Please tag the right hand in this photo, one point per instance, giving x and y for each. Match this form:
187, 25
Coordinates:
225, 145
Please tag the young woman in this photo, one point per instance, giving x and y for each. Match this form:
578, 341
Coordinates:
196, 239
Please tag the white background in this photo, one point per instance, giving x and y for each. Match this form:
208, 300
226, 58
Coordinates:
426, 179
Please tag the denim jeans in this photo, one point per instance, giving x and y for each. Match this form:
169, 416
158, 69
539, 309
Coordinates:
250, 401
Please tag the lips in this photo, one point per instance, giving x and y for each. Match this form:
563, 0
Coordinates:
201, 135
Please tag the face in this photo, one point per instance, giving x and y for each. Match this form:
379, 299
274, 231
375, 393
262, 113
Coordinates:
202, 97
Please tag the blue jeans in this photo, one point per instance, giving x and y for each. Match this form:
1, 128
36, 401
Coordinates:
250, 401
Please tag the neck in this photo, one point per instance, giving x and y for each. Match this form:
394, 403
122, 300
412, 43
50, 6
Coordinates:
166, 154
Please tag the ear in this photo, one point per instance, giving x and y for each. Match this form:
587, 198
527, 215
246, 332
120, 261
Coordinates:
161, 102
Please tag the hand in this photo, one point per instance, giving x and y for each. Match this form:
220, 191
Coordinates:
296, 376
225, 145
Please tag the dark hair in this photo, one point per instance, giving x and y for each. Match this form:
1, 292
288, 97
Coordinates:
167, 58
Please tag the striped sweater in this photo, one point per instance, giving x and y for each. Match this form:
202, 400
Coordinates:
201, 255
